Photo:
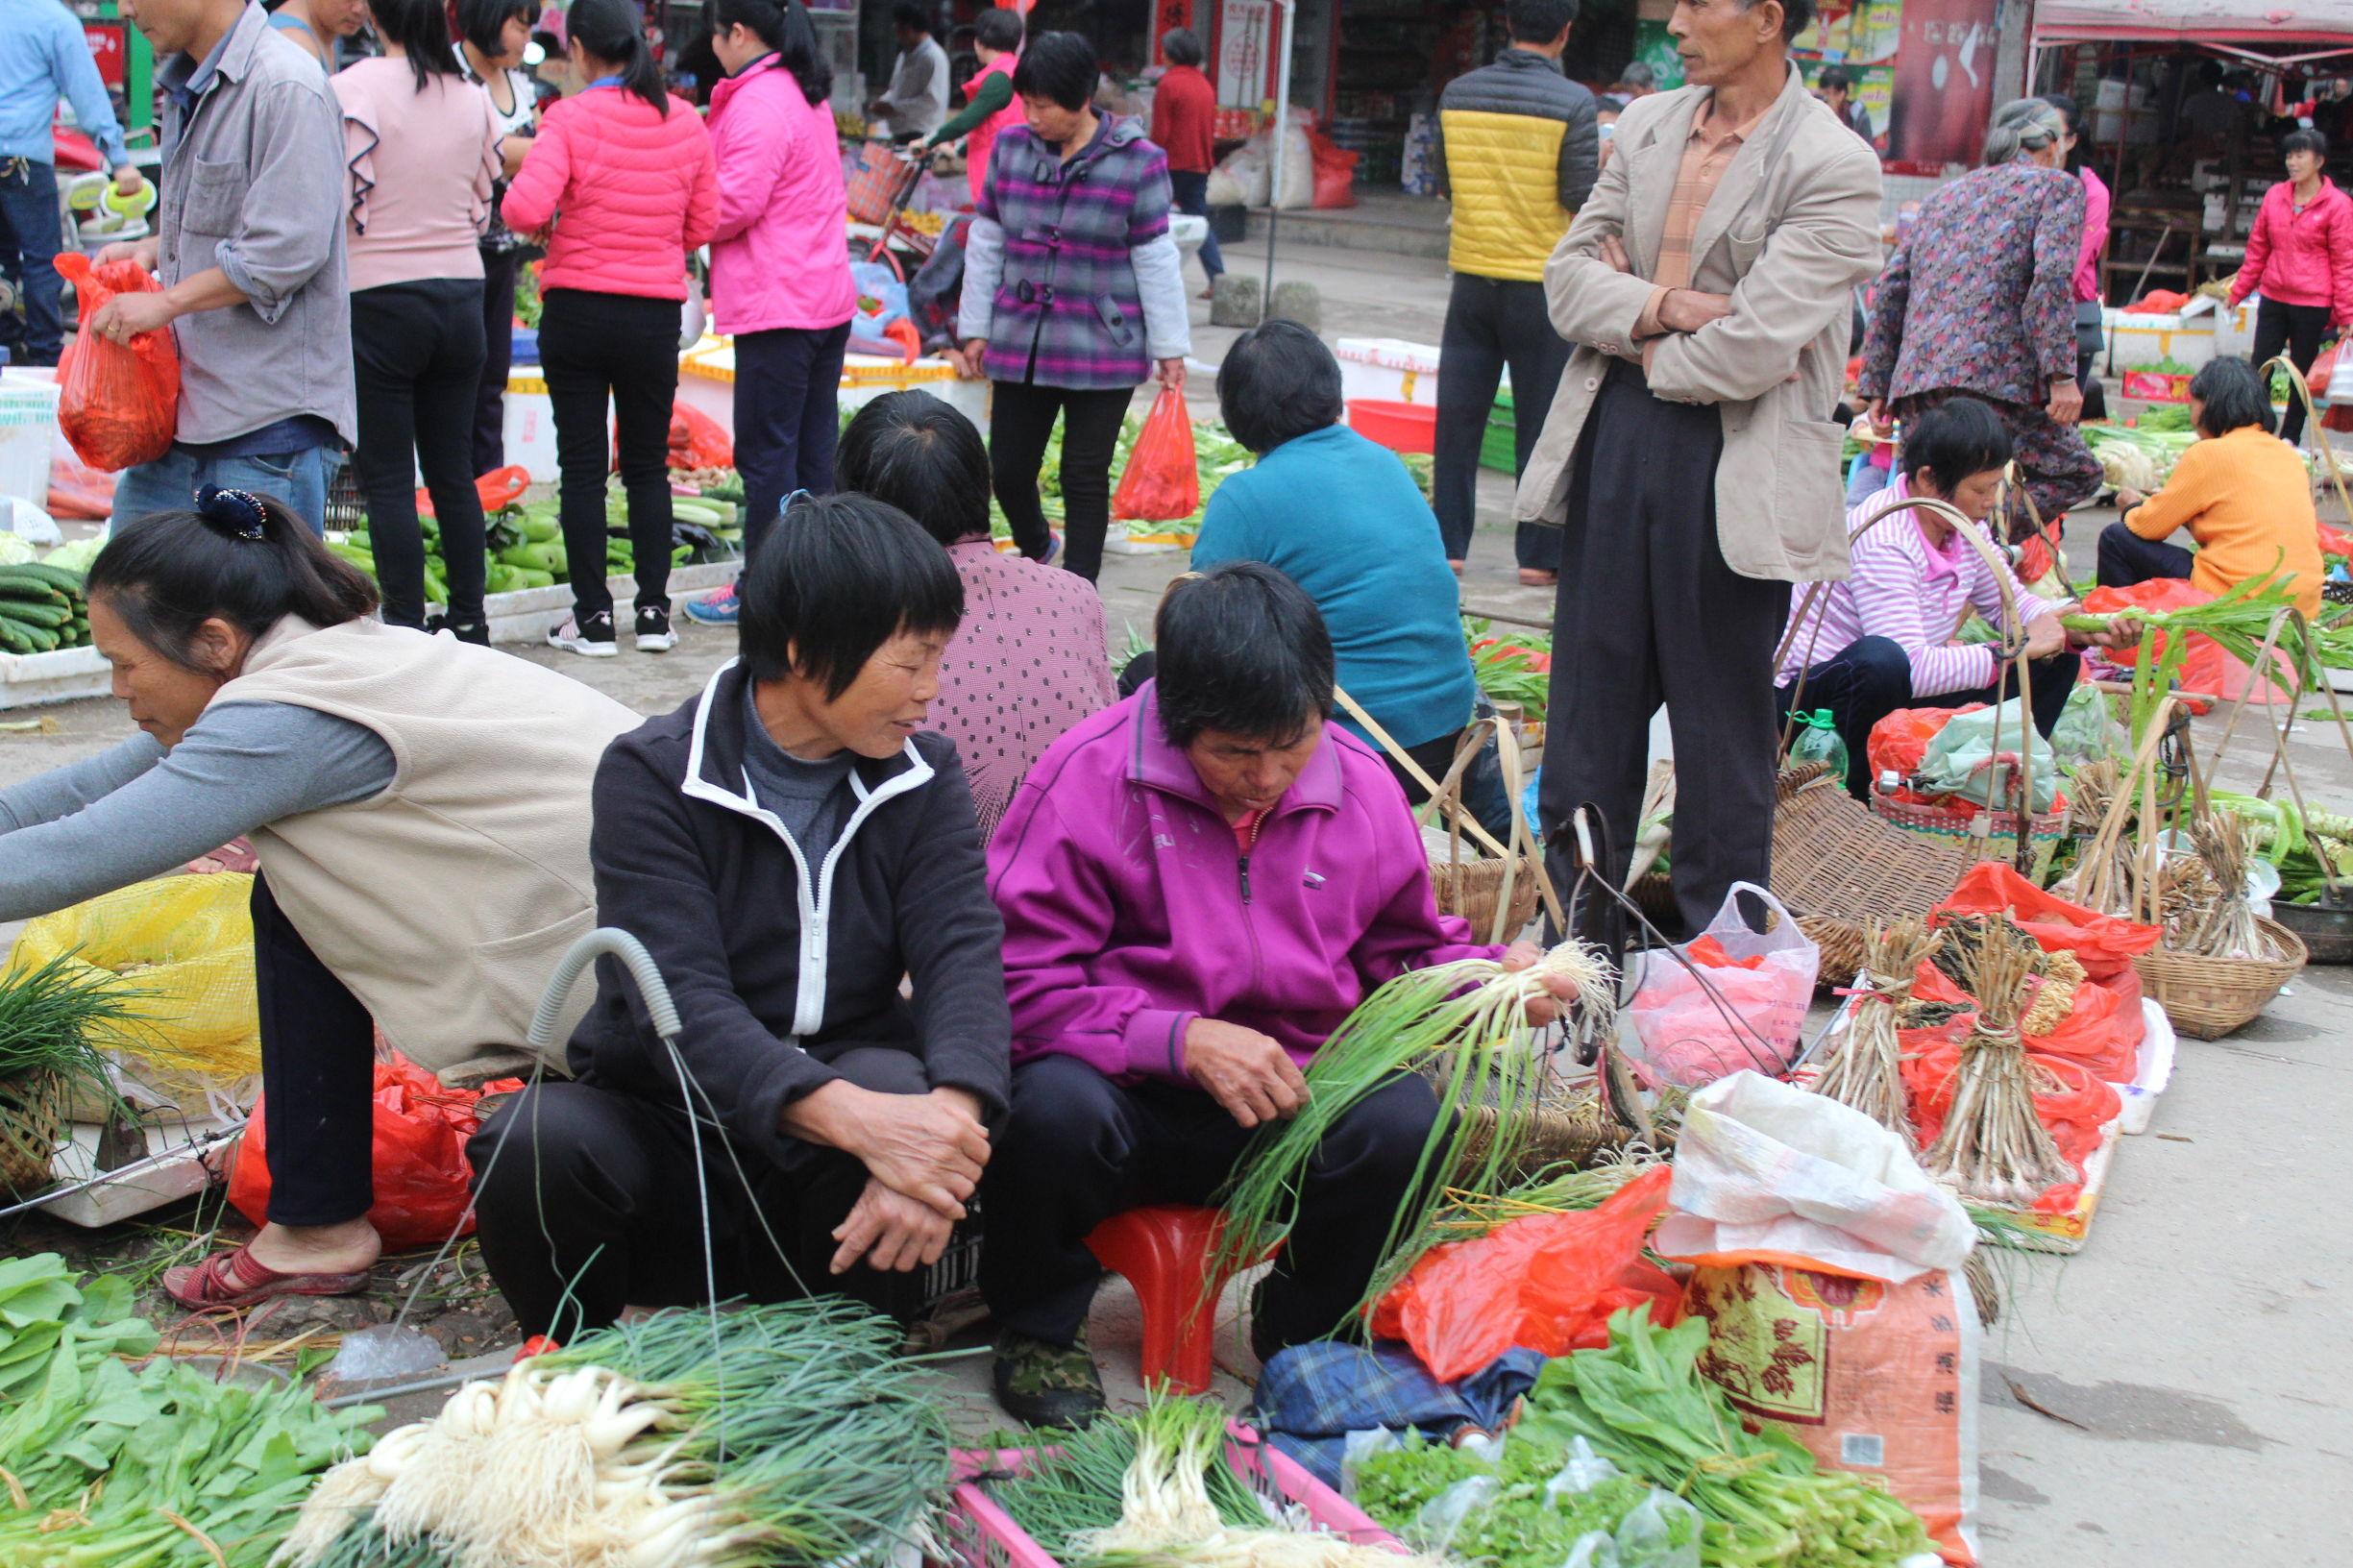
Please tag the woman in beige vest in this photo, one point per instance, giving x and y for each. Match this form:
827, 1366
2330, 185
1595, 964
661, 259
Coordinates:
420, 808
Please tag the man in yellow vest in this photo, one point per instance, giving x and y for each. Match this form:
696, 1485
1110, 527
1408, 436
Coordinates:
1517, 153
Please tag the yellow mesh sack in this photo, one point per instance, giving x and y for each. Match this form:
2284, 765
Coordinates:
187, 943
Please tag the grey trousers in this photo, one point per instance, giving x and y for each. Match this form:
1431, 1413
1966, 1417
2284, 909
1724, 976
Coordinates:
1648, 613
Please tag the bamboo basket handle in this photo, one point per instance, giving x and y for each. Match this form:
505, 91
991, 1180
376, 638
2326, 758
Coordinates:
2311, 420
1414, 769
2112, 825
2012, 625
2280, 618
1523, 841
2014, 481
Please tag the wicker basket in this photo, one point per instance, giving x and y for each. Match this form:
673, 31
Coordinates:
1839, 867
32, 1117
1473, 888
1977, 832
1571, 1127
1653, 894
2209, 997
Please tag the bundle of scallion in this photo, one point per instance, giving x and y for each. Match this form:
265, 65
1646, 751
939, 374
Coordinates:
2235, 620
1464, 1026
1865, 1070
786, 1434
1992, 1145
47, 1061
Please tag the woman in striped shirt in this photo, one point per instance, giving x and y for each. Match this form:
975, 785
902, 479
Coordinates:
1883, 639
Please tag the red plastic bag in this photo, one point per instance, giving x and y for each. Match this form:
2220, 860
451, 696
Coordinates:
2070, 1100
1336, 171
1548, 1282
697, 440
2206, 666
423, 1179
2104, 944
2316, 380
2095, 1035
1898, 741
1163, 480
2335, 541
118, 404
2157, 301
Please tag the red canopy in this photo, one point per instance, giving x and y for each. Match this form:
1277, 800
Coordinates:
2294, 24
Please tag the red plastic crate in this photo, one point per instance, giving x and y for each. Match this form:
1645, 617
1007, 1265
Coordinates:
980, 1535
1400, 426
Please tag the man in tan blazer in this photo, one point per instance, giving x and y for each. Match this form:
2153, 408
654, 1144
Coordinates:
1689, 456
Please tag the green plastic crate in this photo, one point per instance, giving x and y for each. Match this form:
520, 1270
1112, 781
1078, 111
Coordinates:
1499, 446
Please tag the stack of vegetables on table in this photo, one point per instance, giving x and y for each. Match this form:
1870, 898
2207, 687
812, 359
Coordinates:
110, 1464
42, 605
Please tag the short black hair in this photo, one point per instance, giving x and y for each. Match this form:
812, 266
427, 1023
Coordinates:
1182, 46
1797, 15
833, 580
1278, 382
1954, 440
784, 26
482, 22
1537, 21
999, 28
168, 573
2231, 395
422, 30
2071, 111
911, 451
1059, 68
1241, 648
916, 18
2304, 139
1834, 79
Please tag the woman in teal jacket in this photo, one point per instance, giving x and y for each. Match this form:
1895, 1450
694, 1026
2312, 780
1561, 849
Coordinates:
1340, 517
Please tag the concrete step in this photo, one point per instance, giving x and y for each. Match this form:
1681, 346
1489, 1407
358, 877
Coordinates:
1420, 230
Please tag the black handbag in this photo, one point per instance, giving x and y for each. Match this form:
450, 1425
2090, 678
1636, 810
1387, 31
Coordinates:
2089, 339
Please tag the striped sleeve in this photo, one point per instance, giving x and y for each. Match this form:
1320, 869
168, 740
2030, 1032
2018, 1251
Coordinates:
1887, 587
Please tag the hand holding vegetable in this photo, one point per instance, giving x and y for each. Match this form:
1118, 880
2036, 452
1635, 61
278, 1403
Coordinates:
1252, 1076
2044, 636
890, 1232
929, 1147
1558, 987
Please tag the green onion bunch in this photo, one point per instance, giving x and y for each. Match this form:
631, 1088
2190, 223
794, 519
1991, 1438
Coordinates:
1077, 1486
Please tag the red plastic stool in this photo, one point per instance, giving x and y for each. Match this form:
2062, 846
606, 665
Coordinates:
1164, 1251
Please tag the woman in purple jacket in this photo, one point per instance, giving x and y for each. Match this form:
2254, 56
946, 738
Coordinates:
1198, 884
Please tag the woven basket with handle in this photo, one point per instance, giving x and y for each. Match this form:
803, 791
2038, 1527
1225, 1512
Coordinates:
34, 1110
2209, 997
1842, 868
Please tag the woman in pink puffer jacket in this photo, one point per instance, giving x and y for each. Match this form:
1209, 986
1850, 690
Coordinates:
623, 173
2299, 257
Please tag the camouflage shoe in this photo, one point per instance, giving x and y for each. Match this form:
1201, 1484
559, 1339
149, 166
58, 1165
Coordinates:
1043, 1384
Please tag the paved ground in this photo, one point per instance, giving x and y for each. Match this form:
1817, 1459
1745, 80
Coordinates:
2173, 1395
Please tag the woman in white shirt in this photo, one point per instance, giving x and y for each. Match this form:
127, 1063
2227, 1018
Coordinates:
492, 36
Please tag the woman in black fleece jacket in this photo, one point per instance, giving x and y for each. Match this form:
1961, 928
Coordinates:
787, 847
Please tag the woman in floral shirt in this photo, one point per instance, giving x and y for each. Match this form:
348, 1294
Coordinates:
1979, 299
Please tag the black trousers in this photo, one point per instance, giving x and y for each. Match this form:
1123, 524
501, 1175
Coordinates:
788, 385
1080, 1148
1648, 612
2126, 559
318, 1070
1871, 677
1020, 419
593, 1205
2298, 328
1491, 322
498, 269
593, 346
417, 363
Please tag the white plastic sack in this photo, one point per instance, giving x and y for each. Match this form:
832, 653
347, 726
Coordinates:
1763, 1167
30, 523
1686, 1035
1246, 175
1239, 179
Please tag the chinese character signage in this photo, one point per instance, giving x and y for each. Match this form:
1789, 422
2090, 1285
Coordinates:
1245, 50
1944, 87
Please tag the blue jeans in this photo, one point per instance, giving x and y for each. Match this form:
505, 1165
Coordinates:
29, 232
1189, 192
169, 483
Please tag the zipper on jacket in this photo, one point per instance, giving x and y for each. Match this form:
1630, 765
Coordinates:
1249, 929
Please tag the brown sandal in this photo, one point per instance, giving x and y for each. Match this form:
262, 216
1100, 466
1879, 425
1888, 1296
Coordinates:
233, 1280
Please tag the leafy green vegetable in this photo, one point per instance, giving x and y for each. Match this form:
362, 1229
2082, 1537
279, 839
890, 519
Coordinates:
43, 1314
1523, 1525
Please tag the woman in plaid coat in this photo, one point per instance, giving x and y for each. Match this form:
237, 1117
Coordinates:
1072, 292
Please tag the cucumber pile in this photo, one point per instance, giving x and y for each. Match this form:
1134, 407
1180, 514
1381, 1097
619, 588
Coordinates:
41, 609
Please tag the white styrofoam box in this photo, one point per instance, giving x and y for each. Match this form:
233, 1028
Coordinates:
2155, 1071
2234, 332
2147, 339
706, 381
28, 435
530, 429
184, 1157
29, 680
1388, 369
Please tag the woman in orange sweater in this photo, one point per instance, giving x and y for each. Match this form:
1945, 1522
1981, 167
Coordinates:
2240, 492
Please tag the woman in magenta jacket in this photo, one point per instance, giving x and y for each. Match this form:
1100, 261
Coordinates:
1198, 884
780, 281
2299, 257
623, 172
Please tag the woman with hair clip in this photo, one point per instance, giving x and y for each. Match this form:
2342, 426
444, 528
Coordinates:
421, 811
1980, 299
780, 282
422, 151
493, 36
630, 170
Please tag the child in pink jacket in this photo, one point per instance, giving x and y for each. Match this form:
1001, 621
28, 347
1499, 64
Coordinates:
780, 281
625, 174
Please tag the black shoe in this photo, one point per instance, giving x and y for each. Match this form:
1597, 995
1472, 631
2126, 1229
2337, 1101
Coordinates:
593, 637
476, 632
1041, 1384
653, 633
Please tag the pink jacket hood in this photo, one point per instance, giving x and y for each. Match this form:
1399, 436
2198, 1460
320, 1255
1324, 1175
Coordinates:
778, 257
1130, 910
2302, 257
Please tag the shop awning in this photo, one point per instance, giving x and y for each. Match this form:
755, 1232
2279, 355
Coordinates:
2304, 24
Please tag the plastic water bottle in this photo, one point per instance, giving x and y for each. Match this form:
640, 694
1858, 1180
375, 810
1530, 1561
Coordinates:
1819, 741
